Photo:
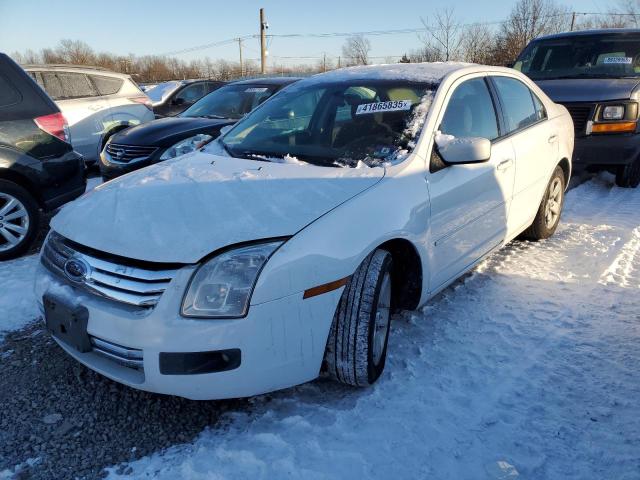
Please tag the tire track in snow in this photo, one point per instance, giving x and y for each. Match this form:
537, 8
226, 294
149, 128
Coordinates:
531, 360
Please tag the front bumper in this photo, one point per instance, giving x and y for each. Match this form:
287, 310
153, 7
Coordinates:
606, 149
282, 342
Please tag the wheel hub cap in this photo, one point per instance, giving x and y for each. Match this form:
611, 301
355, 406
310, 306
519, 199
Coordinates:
14, 223
554, 203
382, 318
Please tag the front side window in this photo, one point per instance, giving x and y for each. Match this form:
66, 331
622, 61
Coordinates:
76, 85
517, 103
470, 112
614, 55
334, 124
191, 93
230, 101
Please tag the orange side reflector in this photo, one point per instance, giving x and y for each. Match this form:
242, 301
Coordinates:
326, 288
618, 127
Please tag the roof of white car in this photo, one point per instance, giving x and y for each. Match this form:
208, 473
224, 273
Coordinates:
418, 72
74, 68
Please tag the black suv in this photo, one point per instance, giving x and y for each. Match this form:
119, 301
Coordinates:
39, 171
174, 97
596, 76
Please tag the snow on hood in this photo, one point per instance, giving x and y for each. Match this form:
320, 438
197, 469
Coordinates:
432, 72
184, 209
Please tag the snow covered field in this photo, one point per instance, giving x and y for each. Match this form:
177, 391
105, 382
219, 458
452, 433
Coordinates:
529, 368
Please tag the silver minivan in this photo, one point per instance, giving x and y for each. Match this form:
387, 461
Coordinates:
96, 103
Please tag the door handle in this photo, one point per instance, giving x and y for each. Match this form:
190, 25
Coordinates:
553, 138
505, 164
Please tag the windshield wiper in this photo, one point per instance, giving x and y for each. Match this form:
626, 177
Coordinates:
215, 117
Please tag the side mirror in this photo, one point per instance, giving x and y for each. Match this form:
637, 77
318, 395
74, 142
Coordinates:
463, 150
225, 129
178, 101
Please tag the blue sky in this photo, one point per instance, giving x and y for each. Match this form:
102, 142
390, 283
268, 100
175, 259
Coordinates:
154, 27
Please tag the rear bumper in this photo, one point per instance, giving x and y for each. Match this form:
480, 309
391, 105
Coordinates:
64, 179
606, 150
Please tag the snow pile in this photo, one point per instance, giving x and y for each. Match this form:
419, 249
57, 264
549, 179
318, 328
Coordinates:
17, 301
528, 368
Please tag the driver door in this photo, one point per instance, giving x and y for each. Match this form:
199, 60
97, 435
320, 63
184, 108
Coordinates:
469, 202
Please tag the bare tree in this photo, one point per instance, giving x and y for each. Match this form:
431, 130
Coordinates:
443, 35
477, 43
529, 19
356, 50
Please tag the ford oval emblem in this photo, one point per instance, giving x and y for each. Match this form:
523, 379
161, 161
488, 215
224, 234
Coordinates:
76, 270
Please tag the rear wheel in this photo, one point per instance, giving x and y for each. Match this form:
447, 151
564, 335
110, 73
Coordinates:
548, 216
19, 220
357, 346
628, 176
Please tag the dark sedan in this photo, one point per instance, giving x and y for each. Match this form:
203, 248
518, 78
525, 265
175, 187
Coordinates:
166, 138
172, 98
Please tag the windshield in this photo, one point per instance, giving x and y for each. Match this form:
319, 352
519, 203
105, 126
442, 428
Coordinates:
337, 124
230, 101
599, 56
158, 93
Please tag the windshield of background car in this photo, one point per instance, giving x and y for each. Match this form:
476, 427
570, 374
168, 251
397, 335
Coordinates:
334, 124
230, 101
599, 56
160, 92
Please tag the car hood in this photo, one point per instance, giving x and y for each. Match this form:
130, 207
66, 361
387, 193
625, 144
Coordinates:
588, 90
184, 209
165, 132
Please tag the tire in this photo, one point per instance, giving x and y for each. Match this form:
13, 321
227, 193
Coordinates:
550, 210
628, 176
357, 345
19, 220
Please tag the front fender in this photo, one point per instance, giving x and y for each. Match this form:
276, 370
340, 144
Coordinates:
333, 246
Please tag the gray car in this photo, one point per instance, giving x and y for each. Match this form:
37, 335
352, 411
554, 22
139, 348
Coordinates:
95, 102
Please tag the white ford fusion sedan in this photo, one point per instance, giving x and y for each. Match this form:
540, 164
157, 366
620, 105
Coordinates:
278, 252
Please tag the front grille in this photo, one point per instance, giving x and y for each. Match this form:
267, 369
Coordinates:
581, 113
119, 281
128, 153
127, 357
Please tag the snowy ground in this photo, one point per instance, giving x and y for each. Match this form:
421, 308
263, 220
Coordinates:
529, 368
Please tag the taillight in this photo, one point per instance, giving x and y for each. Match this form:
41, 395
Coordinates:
54, 124
144, 100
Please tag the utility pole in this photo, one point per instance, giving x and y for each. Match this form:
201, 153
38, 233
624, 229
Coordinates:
339, 62
573, 20
324, 62
241, 66
263, 42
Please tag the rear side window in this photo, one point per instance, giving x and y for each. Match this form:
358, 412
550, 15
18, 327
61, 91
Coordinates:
107, 85
75, 85
192, 93
541, 112
517, 103
8, 94
470, 112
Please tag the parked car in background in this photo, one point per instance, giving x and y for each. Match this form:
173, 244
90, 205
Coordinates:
96, 103
166, 138
38, 168
171, 98
596, 75
281, 249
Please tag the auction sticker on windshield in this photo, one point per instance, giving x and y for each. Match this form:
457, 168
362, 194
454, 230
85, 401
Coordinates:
256, 89
390, 106
618, 60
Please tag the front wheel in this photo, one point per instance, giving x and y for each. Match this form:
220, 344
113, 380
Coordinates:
628, 176
19, 220
548, 216
357, 346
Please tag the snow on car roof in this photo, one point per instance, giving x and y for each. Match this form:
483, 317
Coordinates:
418, 72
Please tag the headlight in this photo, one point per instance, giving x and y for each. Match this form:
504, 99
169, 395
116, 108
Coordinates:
185, 146
222, 287
613, 112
